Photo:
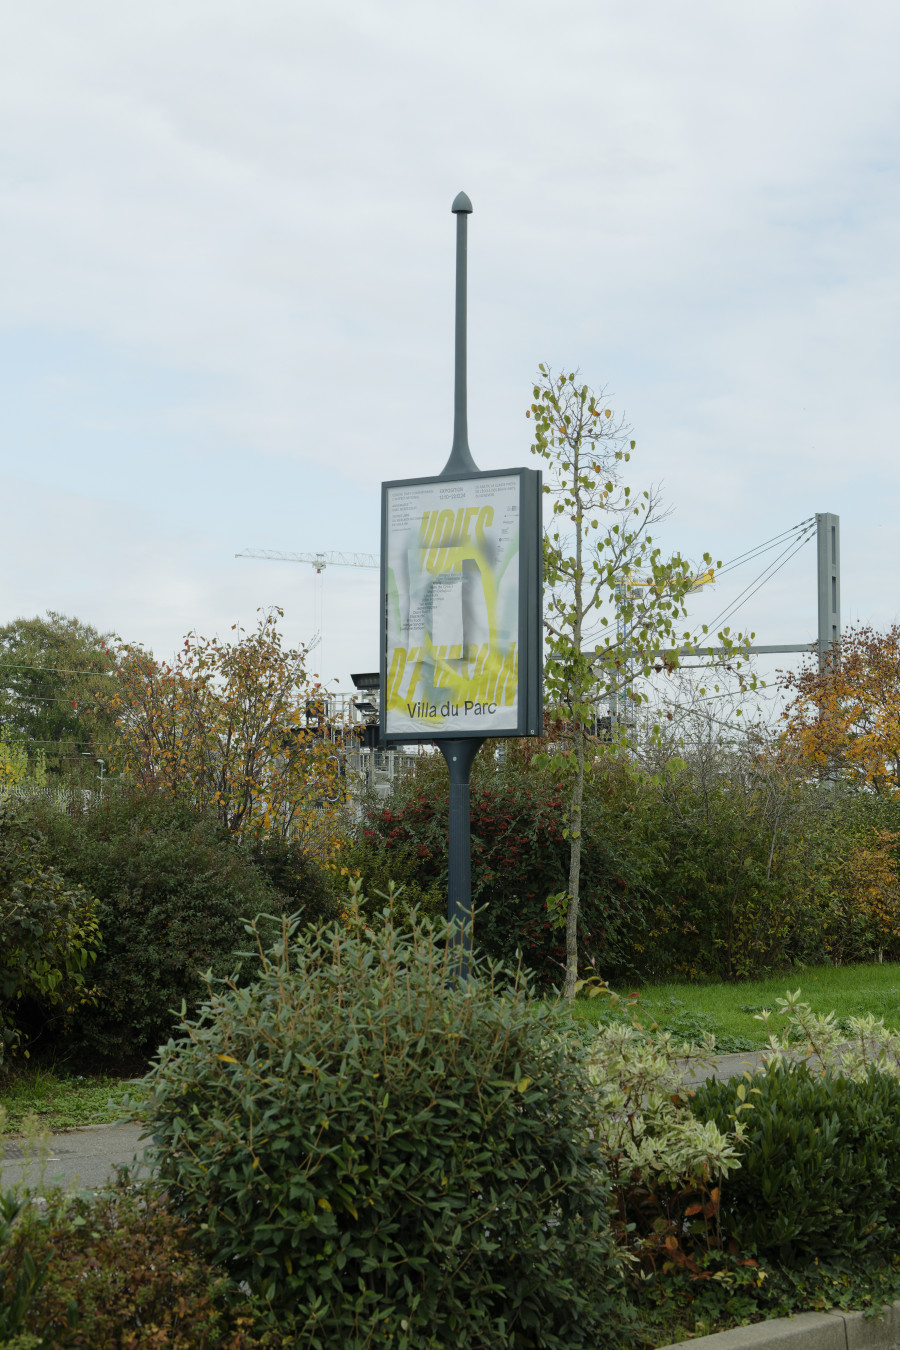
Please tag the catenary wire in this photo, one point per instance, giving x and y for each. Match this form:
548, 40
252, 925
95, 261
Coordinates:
723, 614
802, 524
753, 554
767, 575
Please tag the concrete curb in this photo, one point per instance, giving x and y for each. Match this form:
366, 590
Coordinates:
834, 1330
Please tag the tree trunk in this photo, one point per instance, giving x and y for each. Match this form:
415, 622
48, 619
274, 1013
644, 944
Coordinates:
578, 712
574, 866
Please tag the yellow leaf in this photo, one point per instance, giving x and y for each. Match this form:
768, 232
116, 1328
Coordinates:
323, 1203
523, 1084
228, 1059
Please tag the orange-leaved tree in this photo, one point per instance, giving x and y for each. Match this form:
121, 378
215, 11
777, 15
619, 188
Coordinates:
845, 718
225, 726
871, 881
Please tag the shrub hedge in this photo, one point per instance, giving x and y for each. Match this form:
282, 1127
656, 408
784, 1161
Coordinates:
173, 891
301, 884
48, 932
519, 858
690, 869
820, 1175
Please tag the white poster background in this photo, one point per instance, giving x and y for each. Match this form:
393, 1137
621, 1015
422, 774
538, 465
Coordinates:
452, 606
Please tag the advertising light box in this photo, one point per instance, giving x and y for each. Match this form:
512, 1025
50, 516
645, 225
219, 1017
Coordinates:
461, 651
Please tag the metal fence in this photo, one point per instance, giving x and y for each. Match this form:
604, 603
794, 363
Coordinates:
68, 798
364, 769
380, 766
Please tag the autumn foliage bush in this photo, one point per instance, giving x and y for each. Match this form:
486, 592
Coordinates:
119, 1270
843, 717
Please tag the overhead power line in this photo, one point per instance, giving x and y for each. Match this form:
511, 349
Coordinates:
57, 670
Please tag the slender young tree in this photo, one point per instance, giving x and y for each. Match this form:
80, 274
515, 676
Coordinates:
602, 628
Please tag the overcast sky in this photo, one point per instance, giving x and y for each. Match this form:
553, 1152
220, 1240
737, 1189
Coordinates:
227, 285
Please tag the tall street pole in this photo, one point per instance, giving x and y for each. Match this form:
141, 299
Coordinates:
460, 753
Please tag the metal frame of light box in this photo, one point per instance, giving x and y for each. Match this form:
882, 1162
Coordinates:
529, 701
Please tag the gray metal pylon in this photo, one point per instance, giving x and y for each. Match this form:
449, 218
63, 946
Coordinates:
828, 572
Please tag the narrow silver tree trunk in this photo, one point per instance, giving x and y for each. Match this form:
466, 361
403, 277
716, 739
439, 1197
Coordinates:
577, 699
574, 866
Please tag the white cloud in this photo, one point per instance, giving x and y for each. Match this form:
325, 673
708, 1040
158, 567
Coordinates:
231, 271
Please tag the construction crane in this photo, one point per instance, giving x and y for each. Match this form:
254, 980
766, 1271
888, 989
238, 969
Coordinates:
318, 560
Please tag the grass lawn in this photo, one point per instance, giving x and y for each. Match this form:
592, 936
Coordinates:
61, 1101
727, 1010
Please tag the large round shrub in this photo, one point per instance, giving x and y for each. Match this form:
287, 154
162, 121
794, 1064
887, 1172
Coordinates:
48, 933
820, 1175
388, 1157
174, 890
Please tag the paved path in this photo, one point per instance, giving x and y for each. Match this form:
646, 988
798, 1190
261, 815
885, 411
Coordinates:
77, 1159
729, 1066
86, 1158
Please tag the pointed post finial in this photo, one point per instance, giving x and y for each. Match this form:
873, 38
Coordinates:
460, 460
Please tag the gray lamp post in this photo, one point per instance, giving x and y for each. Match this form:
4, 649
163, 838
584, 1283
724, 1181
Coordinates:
460, 754
461, 656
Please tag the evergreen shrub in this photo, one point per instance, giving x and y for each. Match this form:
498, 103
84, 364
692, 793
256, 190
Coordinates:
174, 889
388, 1157
820, 1173
48, 931
520, 857
296, 877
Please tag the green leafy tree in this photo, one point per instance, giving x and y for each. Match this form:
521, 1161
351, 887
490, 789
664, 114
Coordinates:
15, 766
598, 543
53, 673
